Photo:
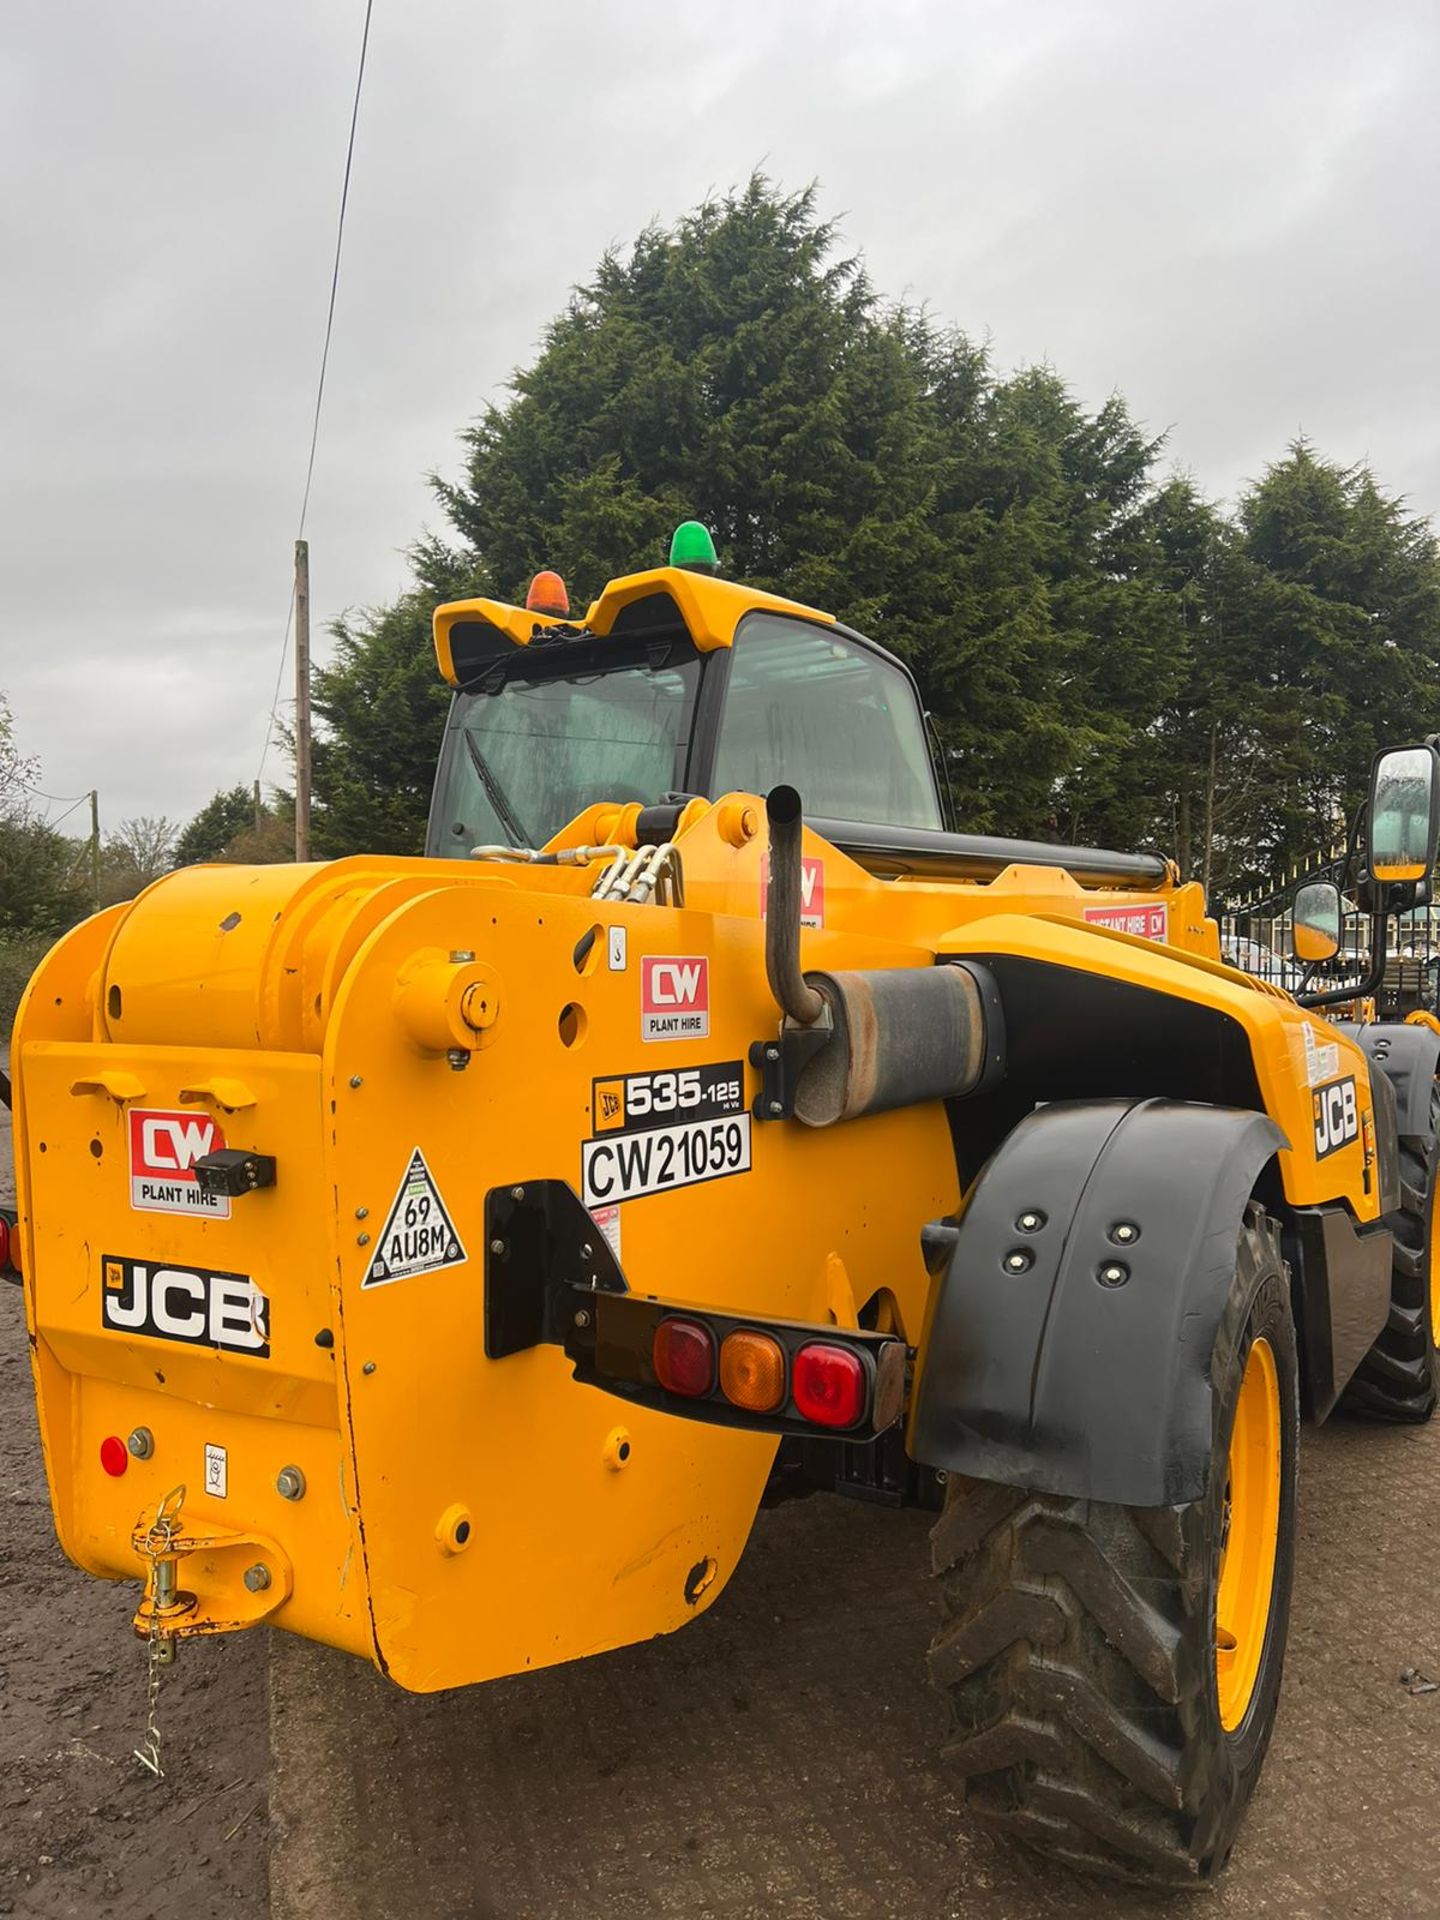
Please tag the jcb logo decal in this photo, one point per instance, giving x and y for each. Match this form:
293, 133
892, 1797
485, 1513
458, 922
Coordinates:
192, 1305
609, 1105
1337, 1117
674, 997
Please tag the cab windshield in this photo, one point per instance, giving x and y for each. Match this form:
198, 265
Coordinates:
560, 727
522, 761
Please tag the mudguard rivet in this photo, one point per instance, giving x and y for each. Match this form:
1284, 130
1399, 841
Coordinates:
1019, 1260
772, 1053
497, 1246
290, 1483
776, 1107
362, 1213
582, 1318
362, 1239
257, 1578
1031, 1221
1113, 1274
517, 1193
369, 1367
1124, 1233
356, 1080
141, 1443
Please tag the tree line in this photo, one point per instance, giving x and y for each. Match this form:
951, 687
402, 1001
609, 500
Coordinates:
1108, 656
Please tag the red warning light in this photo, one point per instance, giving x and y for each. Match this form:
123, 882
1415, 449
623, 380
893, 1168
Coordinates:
829, 1385
547, 594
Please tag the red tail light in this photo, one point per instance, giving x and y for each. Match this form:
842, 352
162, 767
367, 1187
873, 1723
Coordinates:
114, 1455
828, 1385
683, 1356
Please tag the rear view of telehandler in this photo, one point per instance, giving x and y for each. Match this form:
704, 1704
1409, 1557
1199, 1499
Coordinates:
440, 1258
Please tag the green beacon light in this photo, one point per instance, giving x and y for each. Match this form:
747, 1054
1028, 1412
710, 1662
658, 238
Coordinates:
692, 548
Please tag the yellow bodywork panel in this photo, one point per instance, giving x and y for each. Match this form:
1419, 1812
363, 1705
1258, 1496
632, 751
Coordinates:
407, 1035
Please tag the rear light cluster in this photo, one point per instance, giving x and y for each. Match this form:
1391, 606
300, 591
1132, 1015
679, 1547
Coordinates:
824, 1383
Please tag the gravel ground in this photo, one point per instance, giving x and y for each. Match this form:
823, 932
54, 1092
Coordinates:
775, 1761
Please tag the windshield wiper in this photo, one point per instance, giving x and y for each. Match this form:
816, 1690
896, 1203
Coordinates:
495, 793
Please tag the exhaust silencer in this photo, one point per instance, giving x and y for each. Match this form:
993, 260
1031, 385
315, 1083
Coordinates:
895, 1037
900, 1036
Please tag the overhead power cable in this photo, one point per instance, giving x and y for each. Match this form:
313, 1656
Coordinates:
320, 384
60, 818
55, 799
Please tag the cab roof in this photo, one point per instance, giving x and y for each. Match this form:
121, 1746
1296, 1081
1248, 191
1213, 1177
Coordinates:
471, 636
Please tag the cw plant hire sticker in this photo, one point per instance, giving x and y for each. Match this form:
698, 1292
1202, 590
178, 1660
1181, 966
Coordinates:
164, 1146
419, 1235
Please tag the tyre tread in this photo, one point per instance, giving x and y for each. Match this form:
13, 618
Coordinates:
1399, 1377
1076, 1652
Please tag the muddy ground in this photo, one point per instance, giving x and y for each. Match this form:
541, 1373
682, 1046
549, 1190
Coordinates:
776, 1761
84, 1831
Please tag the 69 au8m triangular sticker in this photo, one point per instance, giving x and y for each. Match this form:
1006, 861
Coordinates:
419, 1235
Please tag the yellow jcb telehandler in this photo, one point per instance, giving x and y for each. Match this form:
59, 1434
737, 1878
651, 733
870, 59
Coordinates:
440, 1258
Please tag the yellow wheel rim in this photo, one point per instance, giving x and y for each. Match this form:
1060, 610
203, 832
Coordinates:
1250, 1529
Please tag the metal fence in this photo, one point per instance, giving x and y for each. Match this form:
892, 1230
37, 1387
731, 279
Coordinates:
1255, 935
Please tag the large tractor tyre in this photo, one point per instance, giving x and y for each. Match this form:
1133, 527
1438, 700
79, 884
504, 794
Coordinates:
1400, 1376
1113, 1672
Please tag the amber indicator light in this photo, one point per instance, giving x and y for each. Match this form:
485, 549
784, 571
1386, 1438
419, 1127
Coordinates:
752, 1371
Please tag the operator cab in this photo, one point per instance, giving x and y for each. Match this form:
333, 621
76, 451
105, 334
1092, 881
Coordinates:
674, 683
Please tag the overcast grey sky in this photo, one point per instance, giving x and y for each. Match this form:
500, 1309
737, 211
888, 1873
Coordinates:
1227, 211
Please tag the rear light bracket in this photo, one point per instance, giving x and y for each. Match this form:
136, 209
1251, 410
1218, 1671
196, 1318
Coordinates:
552, 1279
543, 1253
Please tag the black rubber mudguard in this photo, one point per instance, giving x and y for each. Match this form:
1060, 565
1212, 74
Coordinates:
1074, 1356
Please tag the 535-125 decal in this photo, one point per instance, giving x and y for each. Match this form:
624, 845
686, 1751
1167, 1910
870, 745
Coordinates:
655, 1131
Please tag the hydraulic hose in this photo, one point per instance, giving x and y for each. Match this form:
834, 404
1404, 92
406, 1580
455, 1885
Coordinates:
800, 1002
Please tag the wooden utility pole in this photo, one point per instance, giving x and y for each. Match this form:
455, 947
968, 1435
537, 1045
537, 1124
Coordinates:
302, 700
255, 796
94, 845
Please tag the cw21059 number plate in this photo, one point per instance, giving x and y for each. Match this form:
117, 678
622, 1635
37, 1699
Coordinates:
626, 1165
655, 1131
